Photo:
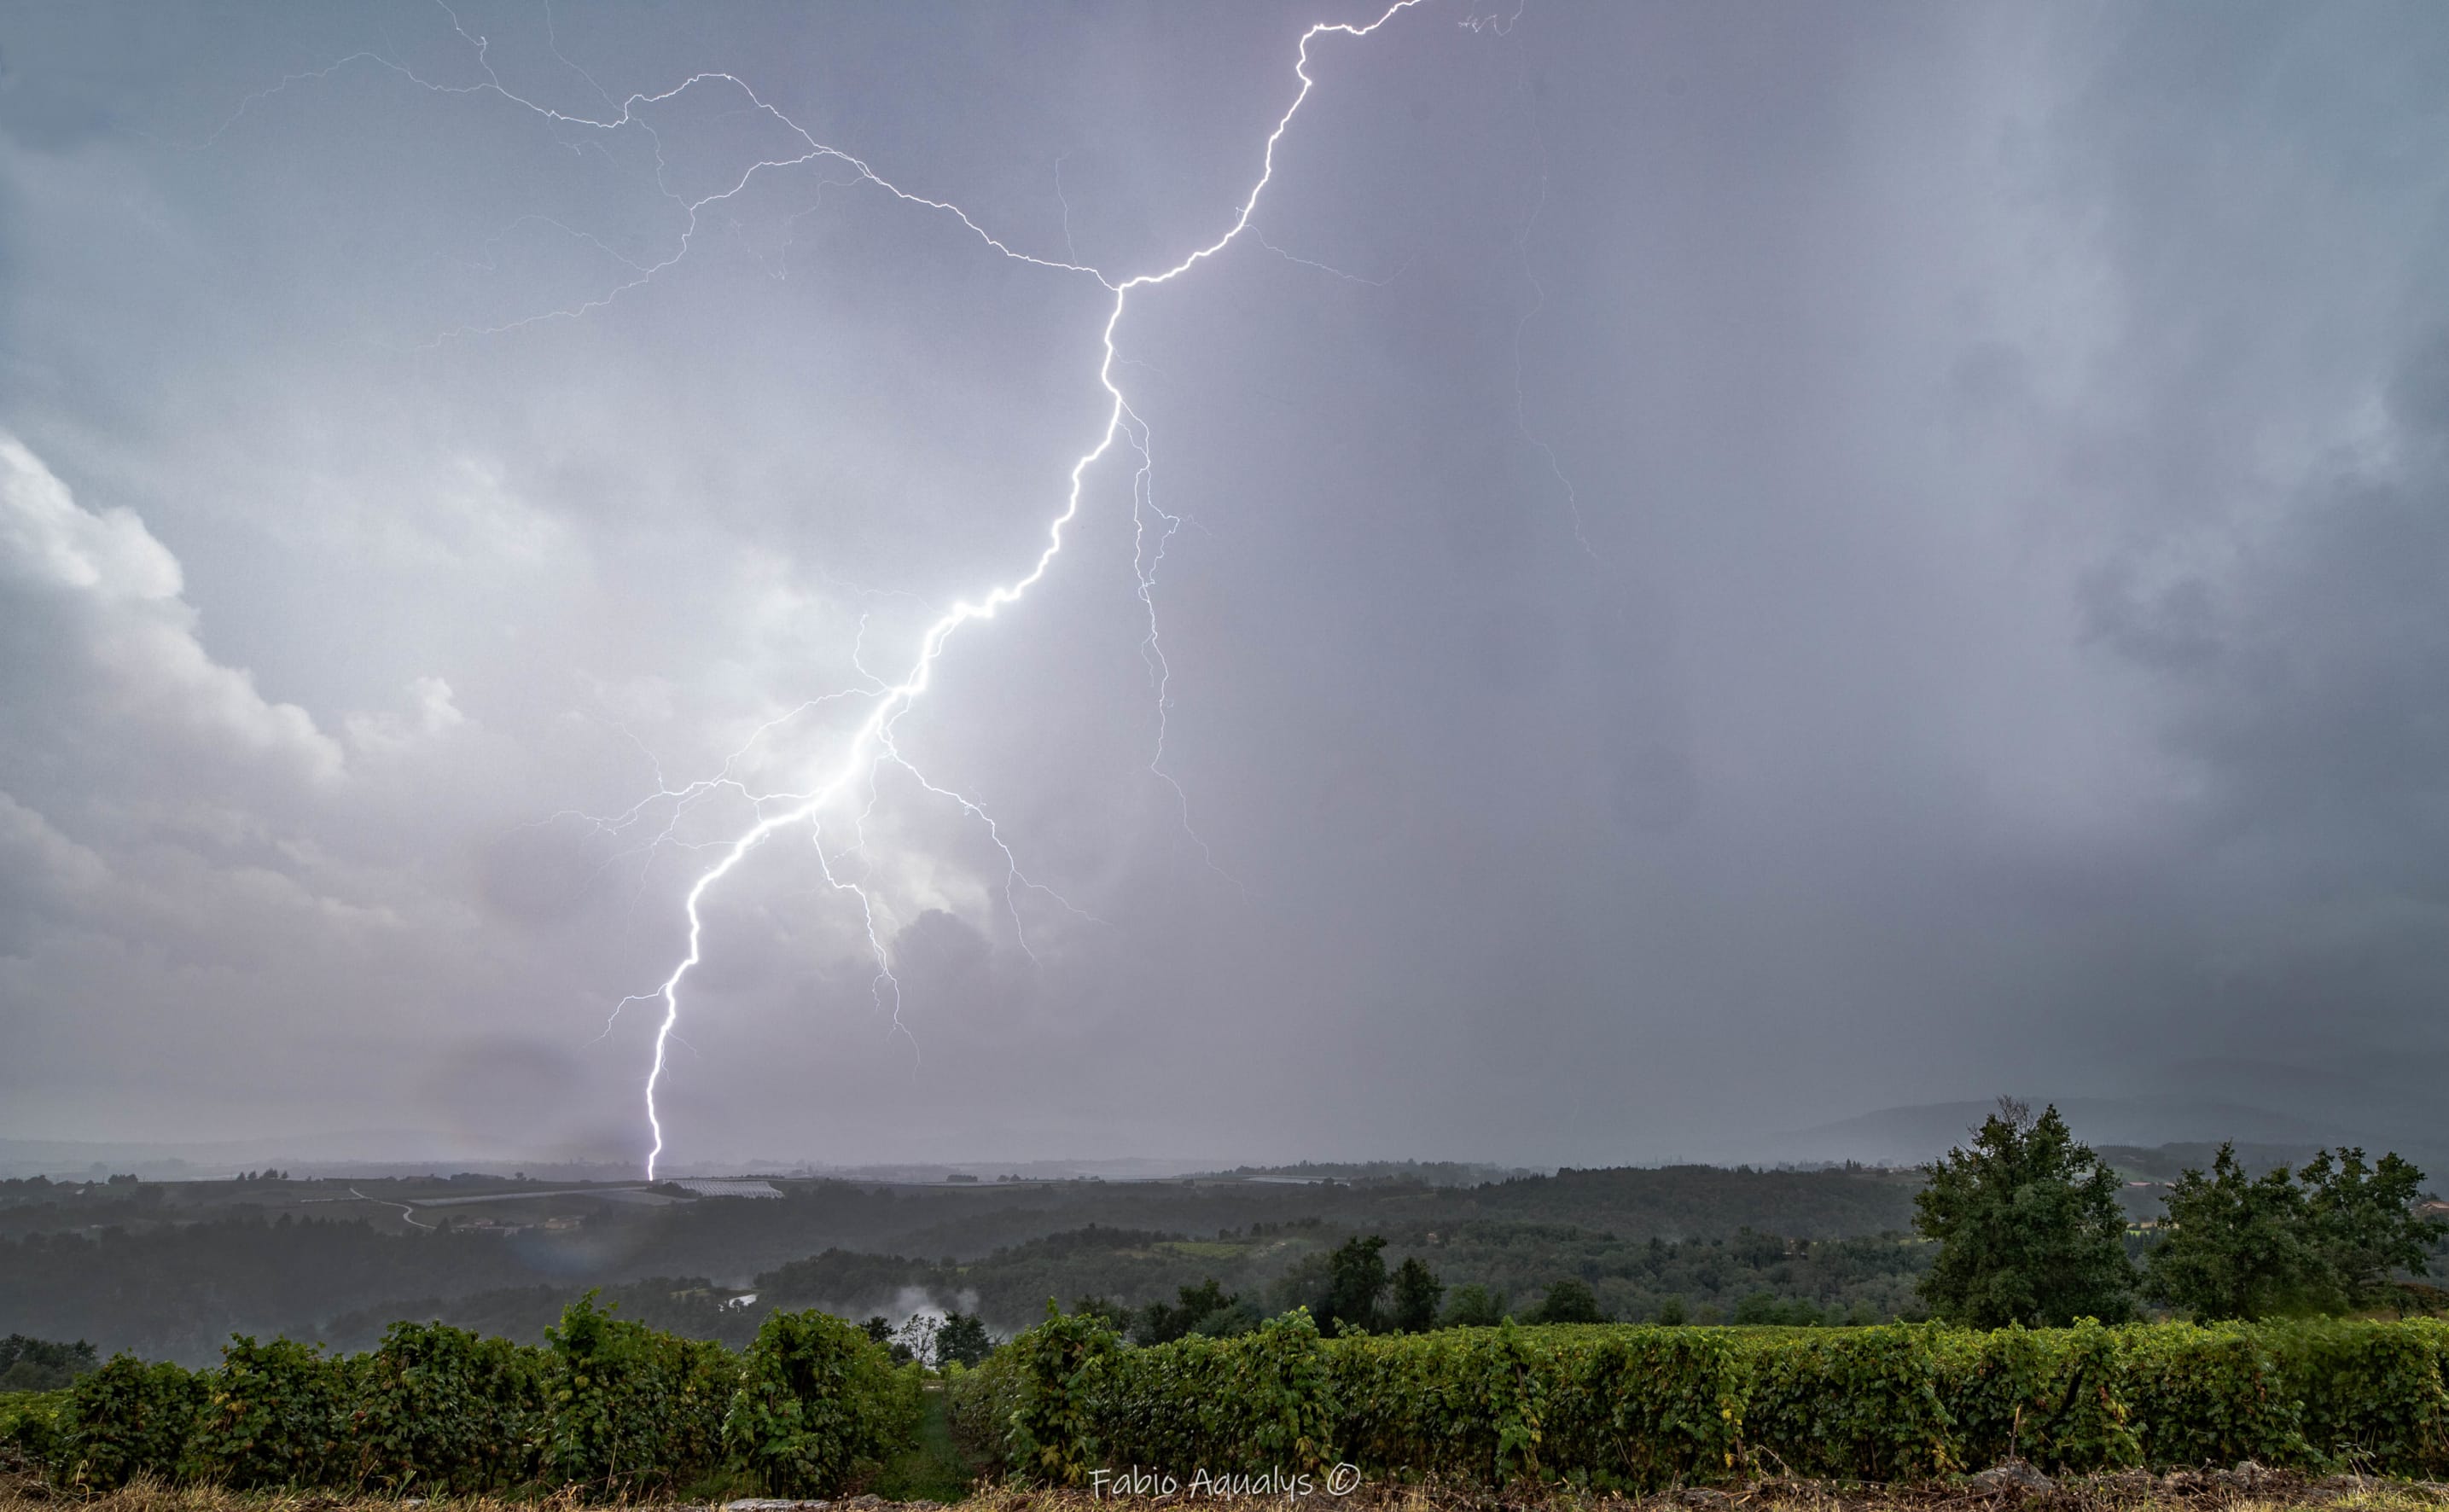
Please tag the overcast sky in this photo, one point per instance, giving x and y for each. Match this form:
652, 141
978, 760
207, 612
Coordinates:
1737, 565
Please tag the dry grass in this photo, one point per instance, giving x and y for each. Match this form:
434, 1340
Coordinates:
2133, 1492
2127, 1493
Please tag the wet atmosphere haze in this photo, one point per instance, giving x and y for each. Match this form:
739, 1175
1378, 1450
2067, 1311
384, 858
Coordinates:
1737, 567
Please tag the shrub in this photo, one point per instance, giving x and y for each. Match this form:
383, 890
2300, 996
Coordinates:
1055, 1435
2211, 1395
1852, 1403
818, 1403
29, 1426
613, 1409
1262, 1398
981, 1403
628, 1411
272, 1416
1467, 1403
1639, 1409
2373, 1394
124, 1420
2056, 1397
442, 1409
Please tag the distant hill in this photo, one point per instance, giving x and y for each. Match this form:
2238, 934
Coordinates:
361, 1153
174, 1269
2316, 1098
1912, 1134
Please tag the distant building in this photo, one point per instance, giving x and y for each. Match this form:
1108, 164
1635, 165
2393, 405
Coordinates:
729, 1189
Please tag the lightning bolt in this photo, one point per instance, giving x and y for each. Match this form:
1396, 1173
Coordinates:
872, 741
872, 746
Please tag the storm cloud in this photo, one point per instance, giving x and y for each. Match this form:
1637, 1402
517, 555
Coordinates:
1738, 565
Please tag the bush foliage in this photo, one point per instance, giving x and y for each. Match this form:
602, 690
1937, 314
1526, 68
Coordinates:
817, 1400
443, 1410
614, 1410
609, 1408
1642, 1407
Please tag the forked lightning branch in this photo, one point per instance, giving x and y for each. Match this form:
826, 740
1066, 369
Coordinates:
847, 790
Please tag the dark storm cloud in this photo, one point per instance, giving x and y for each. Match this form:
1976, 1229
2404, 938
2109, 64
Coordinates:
1741, 564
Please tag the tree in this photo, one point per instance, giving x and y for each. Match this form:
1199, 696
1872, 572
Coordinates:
1671, 1313
1568, 1300
1474, 1306
1417, 1294
2236, 1247
1308, 1281
1356, 1281
1114, 1314
2364, 1223
962, 1337
2329, 1238
1160, 1323
1766, 1308
39, 1365
1238, 1316
2027, 1227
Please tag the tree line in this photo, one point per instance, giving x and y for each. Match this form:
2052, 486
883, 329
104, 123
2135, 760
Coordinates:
2025, 1227
1350, 1291
2029, 1229
42, 1365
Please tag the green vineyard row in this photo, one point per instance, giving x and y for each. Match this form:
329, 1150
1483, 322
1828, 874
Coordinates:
1643, 1407
613, 1410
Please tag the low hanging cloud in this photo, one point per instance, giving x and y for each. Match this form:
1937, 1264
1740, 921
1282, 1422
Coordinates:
116, 651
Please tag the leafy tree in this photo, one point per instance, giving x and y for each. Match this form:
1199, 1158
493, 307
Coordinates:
39, 1365
1417, 1294
1768, 1309
1568, 1300
962, 1337
881, 1330
1237, 1317
1474, 1306
1194, 1303
1308, 1281
1356, 1282
1671, 1313
2237, 1246
2364, 1223
2323, 1240
2027, 1227
1112, 1314
1160, 1323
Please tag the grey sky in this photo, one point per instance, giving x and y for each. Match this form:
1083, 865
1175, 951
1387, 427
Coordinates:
1983, 626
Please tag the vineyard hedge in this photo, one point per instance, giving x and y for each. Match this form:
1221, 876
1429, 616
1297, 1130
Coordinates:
615, 1410
1640, 1408
608, 1408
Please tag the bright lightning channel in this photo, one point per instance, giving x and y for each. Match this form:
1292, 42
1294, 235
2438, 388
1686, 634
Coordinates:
872, 742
